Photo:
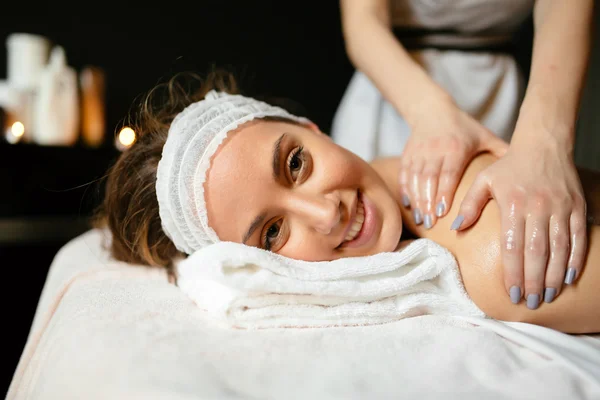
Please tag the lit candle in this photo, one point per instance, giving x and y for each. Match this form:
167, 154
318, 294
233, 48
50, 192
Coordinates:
125, 138
15, 132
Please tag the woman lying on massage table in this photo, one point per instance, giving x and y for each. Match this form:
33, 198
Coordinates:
236, 169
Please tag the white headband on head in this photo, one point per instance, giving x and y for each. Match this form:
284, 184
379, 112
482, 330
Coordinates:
194, 136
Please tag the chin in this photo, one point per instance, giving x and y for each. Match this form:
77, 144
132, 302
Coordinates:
391, 227
389, 243
388, 239
391, 230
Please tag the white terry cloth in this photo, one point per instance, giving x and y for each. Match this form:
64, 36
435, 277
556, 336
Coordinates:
248, 287
108, 330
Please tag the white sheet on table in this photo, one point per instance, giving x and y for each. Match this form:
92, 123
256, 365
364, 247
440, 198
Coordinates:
123, 332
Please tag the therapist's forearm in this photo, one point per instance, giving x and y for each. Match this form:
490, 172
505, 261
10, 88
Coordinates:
375, 51
559, 64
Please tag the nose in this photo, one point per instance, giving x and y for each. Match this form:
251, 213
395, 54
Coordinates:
321, 212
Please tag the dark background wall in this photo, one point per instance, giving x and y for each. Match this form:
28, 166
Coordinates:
279, 48
284, 49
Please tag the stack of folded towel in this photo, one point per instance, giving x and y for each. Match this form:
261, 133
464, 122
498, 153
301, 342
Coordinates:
251, 288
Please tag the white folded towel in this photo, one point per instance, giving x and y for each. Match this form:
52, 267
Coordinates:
247, 287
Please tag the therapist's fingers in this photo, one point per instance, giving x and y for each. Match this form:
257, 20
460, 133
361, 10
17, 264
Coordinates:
403, 180
452, 169
578, 230
470, 209
428, 186
414, 189
535, 256
558, 257
513, 227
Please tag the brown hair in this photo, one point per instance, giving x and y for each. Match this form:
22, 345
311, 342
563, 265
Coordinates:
130, 207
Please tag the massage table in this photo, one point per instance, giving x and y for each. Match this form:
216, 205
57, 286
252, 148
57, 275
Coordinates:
108, 330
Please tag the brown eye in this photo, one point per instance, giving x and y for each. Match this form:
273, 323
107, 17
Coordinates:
296, 162
273, 231
271, 235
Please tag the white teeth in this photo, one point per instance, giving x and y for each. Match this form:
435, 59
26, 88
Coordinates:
357, 224
360, 218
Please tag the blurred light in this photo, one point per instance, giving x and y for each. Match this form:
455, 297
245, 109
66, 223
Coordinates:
17, 129
126, 138
15, 132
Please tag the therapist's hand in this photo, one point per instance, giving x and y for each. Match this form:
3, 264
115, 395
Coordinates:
543, 214
443, 140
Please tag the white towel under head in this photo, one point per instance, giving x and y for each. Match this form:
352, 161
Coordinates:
247, 287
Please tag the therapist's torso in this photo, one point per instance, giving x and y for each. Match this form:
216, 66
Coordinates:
462, 45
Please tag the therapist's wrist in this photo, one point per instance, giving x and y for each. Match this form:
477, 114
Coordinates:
535, 132
427, 104
533, 136
545, 119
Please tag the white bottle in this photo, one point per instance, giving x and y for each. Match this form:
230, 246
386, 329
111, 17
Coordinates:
27, 56
56, 110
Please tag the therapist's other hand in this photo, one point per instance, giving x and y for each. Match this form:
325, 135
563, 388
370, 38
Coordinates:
443, 141
543, 212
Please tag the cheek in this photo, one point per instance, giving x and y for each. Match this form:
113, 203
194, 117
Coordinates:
392, 223
307, 251
339, 166
304, 245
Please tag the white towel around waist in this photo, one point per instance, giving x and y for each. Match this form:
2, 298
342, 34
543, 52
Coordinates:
247, 287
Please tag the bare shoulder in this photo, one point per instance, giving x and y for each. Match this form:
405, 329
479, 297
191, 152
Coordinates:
478, 252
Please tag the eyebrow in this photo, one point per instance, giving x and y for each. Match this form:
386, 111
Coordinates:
277, 156
276, 172
255, 224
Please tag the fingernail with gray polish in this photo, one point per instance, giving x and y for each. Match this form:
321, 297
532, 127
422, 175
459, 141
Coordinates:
440, 208
533, 301
427, 221
457, 223
515, 294
405, 201
549, 294
417, 216
570, 277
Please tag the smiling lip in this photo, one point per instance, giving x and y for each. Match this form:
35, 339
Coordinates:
368, 227
351, 219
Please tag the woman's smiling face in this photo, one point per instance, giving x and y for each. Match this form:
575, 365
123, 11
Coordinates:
288, 188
